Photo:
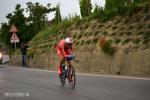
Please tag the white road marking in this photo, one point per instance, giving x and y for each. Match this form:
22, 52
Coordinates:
109, 76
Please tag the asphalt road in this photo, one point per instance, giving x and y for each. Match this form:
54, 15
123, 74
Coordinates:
29, 84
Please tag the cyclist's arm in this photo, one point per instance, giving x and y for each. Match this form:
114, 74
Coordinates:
63, 51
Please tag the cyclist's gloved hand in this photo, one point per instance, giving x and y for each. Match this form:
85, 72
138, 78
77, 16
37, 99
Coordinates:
69, 57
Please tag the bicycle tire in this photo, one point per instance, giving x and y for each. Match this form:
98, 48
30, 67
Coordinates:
72, 77
62, 80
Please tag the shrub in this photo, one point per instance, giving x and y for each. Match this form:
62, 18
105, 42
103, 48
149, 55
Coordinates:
98, 12
133, 8
104, 33
108, 48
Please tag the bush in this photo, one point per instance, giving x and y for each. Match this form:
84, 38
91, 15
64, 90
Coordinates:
108, 48
104, 33
131, 9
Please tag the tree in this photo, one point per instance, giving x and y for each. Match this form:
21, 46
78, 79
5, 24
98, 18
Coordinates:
85, 7
57, 18
5, 35
17, 18
37, 15
98, 12
28, 27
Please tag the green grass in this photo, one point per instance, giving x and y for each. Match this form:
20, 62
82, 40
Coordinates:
53, 30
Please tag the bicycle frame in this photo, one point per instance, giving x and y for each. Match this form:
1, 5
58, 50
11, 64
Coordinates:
70, 75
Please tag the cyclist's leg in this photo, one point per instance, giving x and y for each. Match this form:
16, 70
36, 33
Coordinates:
61, 60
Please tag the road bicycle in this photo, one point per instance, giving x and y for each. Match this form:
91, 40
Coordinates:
68, 73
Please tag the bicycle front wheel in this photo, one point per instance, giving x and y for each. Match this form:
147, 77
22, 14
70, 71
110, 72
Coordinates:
72, 77
62, 80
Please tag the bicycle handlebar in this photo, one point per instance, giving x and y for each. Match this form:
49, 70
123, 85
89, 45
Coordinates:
71, 57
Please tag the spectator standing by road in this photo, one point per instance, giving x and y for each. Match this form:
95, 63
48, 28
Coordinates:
24, 54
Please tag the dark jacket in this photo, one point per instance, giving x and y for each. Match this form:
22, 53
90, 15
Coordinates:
24, 49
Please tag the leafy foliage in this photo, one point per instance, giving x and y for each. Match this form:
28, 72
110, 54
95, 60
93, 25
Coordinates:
37, 15
108, 48
28, 27
85, 7
116, 7
57, 18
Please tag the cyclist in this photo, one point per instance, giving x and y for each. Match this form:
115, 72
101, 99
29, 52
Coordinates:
64, 50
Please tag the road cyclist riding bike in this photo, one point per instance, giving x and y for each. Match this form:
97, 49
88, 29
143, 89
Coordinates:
65, 53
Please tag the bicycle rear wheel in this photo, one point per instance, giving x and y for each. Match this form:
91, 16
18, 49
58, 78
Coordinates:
72, 77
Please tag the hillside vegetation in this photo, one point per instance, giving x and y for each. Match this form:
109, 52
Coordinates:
128, 32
